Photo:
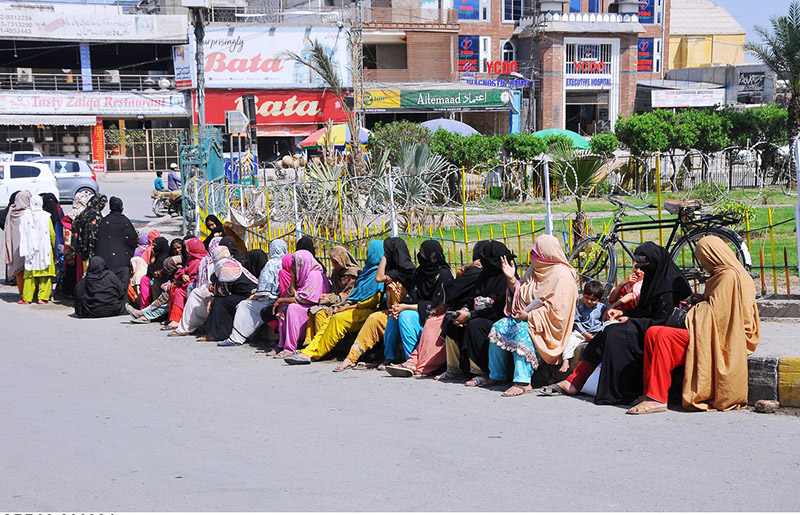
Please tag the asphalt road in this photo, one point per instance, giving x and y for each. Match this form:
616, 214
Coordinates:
100, 415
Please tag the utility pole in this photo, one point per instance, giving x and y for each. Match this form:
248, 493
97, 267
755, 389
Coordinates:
357, 55
198, 15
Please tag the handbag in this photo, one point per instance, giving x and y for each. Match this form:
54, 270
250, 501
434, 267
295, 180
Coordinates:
677, 318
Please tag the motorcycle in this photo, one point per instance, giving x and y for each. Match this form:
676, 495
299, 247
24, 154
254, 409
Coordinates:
167, 203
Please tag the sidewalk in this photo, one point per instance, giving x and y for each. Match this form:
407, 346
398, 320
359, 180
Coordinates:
774, 369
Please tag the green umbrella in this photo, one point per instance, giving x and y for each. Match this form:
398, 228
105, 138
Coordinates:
577, 140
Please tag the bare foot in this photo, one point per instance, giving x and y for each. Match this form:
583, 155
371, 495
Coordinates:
564, 366
345, 365
567, 387
517, 390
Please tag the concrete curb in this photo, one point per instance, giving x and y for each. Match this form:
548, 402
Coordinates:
774, 378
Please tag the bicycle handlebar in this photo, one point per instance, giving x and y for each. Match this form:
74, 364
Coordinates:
622, 203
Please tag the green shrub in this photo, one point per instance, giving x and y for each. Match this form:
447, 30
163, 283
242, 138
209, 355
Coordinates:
392, 136
604, 143
524, 147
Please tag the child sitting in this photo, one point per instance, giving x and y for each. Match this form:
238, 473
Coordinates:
588, 320
626, 294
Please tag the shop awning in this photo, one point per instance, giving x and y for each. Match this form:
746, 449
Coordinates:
46, 119
285, 131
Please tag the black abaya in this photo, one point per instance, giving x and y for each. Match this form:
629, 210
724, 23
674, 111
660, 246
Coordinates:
99, 293
219, 323
620, 347
116, 241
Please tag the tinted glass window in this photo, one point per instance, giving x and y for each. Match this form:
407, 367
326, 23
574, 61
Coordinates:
23, 171
66, 167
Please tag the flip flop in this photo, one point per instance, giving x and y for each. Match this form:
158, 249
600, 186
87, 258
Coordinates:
641, 409
399, 371
142, 320
447, 376
481, 382
522, 387
298, 359
228, 343
551, 390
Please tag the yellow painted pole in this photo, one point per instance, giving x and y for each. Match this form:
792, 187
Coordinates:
358, 247
383, 226
505, 236
772, 251
479, 234
519, 237
491, 232
658, 198
569, 233
269, 222
747, 229
441, 234
430, 231
533, 230
454, 243
341, 215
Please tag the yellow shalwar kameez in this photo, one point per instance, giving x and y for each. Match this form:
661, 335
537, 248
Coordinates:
331, 329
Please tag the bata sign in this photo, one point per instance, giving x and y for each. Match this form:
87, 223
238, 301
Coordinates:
255, 57
276, 107
99, 104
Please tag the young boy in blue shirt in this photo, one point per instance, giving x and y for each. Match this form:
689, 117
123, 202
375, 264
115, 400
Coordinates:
588, 320
158, 184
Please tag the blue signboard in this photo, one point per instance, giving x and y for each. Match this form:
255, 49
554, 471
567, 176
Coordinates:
646, 11
645, 55
86, 67
468, 54
467, 9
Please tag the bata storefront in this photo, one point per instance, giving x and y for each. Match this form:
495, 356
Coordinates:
106, 129
283, 117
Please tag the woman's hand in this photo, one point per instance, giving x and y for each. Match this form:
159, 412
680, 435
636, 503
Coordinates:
438, 310
612, 314
397, 309
185, 278
276, 306
463, 317
324, 298
520, 316
509, 270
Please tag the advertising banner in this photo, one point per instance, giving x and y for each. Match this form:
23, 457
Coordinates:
645, 55
93, 103
279, 107
381, 99
86, 67
98, 147
468, 54
646, 11
467, 9
688, 97
88, 22
487, 99
256, 56
183, 64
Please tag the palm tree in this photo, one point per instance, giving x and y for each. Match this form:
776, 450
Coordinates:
579, 172
781, 52
320, 62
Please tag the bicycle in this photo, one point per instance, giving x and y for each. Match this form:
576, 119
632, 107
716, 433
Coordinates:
595, 257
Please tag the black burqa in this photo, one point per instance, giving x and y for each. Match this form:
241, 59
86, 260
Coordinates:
227, 296
154, 269
486, 304
430, 278
398, 262
86, 225
306, 243
219, 230
620, 347
116, 241
99, 293
256, 260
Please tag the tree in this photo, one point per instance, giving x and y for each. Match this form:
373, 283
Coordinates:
780, 51
644, 134
392, 136
580, 172
321, 63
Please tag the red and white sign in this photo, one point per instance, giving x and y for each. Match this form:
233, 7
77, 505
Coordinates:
257, 57
122, 103
99, 147
276, 107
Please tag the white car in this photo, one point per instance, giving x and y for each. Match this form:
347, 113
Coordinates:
34, 177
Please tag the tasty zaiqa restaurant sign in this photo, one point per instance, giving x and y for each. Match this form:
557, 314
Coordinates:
255, 57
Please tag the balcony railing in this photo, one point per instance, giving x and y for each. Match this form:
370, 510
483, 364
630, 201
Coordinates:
313, 14
74, 82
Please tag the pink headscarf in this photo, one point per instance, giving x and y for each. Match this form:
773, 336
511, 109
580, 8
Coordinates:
195, 252
148, 252
285, 274
310, 281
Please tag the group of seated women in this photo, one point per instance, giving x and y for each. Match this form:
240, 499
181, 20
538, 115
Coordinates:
484, 324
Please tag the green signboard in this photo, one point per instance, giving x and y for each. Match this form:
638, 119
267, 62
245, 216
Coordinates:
445, 99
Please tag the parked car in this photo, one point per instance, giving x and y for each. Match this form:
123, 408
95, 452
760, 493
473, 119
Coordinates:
72, 175
34, 177
21, 155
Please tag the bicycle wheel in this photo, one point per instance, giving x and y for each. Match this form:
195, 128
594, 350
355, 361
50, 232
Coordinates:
595, 260
683, 253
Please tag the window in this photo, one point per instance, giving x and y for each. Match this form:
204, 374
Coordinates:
512, 10
509, 52
574, 6
594, 6
66, 167
24, 171
485, 52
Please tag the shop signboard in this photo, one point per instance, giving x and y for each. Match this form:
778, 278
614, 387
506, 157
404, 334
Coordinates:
86, 67
468, 9
381, 99
183, 65
456, 99
98, 147
751, 81
646, 11
688, 97
645, 55
88, 22
256, 56
278, 107
468, 53
93, 103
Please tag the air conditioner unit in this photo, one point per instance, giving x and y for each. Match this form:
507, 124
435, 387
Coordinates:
25, 74
111, 77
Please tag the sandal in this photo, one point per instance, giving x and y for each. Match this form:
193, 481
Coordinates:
521, 389
363, 365
176, 333
344, 366
644, 409
481, 382
206, 339
551, 390
448, 376
399, 371
297, 358
22, 302
283, 354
